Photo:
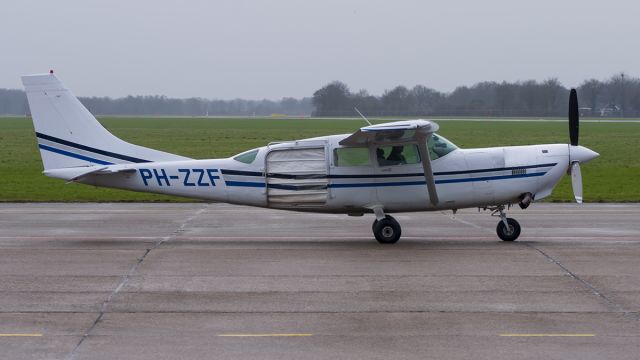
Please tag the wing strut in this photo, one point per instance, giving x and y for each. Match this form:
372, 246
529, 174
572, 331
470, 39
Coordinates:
426, 166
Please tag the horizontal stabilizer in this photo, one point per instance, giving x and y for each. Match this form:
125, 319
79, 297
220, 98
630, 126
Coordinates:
78, 173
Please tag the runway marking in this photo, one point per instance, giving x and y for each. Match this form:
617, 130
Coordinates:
547, 335
21, 335
264, 335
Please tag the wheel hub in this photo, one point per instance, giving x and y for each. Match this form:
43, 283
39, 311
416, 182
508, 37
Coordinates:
387, 231
508, 230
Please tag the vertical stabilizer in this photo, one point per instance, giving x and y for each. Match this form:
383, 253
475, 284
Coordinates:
70, 136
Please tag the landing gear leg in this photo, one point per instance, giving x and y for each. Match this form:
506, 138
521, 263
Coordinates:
508, 229
385, 228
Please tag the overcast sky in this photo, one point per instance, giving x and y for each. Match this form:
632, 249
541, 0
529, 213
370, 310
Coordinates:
271, 48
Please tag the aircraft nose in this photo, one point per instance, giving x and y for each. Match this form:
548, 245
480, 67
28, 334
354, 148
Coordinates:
581, 154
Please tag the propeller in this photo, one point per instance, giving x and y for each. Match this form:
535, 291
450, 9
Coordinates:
574, 130
577, 154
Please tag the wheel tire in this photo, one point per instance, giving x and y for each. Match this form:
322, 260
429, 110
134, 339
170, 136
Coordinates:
506, 235
387, 230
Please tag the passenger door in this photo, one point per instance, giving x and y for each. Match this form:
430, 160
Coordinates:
399, 176
352, 178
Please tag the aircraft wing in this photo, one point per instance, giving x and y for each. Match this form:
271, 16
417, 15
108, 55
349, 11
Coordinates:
397, 131
417, 131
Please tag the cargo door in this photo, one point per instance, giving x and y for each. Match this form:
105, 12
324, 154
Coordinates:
297, 177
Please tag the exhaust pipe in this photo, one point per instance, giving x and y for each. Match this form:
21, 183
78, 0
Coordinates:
525, 200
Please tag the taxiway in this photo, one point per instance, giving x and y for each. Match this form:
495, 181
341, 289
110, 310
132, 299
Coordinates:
193, 281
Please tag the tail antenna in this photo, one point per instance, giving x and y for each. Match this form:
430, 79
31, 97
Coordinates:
362, 116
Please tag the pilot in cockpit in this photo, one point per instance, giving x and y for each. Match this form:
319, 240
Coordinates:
396, 157
380, 156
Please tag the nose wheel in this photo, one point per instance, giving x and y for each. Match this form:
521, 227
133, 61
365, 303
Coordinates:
387, 230
508, 232
508, 229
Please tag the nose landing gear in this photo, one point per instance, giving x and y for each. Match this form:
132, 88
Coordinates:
508, 229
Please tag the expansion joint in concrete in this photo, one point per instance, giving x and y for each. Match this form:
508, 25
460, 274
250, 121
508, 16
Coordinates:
617, 307
590, 287
129, 274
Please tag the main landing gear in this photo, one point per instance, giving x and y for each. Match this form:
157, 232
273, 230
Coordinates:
385, 228
508, 229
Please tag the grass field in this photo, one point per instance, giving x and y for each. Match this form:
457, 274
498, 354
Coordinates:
615, 176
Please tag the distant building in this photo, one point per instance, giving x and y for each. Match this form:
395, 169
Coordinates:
585, 111
610, 110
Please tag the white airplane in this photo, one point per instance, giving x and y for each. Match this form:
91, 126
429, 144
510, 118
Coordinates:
386, 168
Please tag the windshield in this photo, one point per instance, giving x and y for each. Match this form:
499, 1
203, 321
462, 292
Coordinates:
439, 146
247, 157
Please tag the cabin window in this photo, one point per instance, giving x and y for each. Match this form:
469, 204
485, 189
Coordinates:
398, 155
247, 157
351, 156
439, 146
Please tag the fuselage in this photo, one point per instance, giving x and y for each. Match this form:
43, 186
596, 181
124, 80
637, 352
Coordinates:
308, 175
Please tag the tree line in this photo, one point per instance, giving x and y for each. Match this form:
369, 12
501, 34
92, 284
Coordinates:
618, 96
162, 105
14, 102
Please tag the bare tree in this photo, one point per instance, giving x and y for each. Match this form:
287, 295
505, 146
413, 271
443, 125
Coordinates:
590, 90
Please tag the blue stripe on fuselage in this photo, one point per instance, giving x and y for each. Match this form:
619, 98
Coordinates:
244, 184
73, 155
91, 149
487, 178
397, 183
446, 181
376, 176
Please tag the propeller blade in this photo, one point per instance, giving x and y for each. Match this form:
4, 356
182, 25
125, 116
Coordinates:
576, 181
574, 117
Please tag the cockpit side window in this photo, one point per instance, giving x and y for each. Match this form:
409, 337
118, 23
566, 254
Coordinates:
439, 146
397, 155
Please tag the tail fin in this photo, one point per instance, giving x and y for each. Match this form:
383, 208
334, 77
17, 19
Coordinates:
69, 136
